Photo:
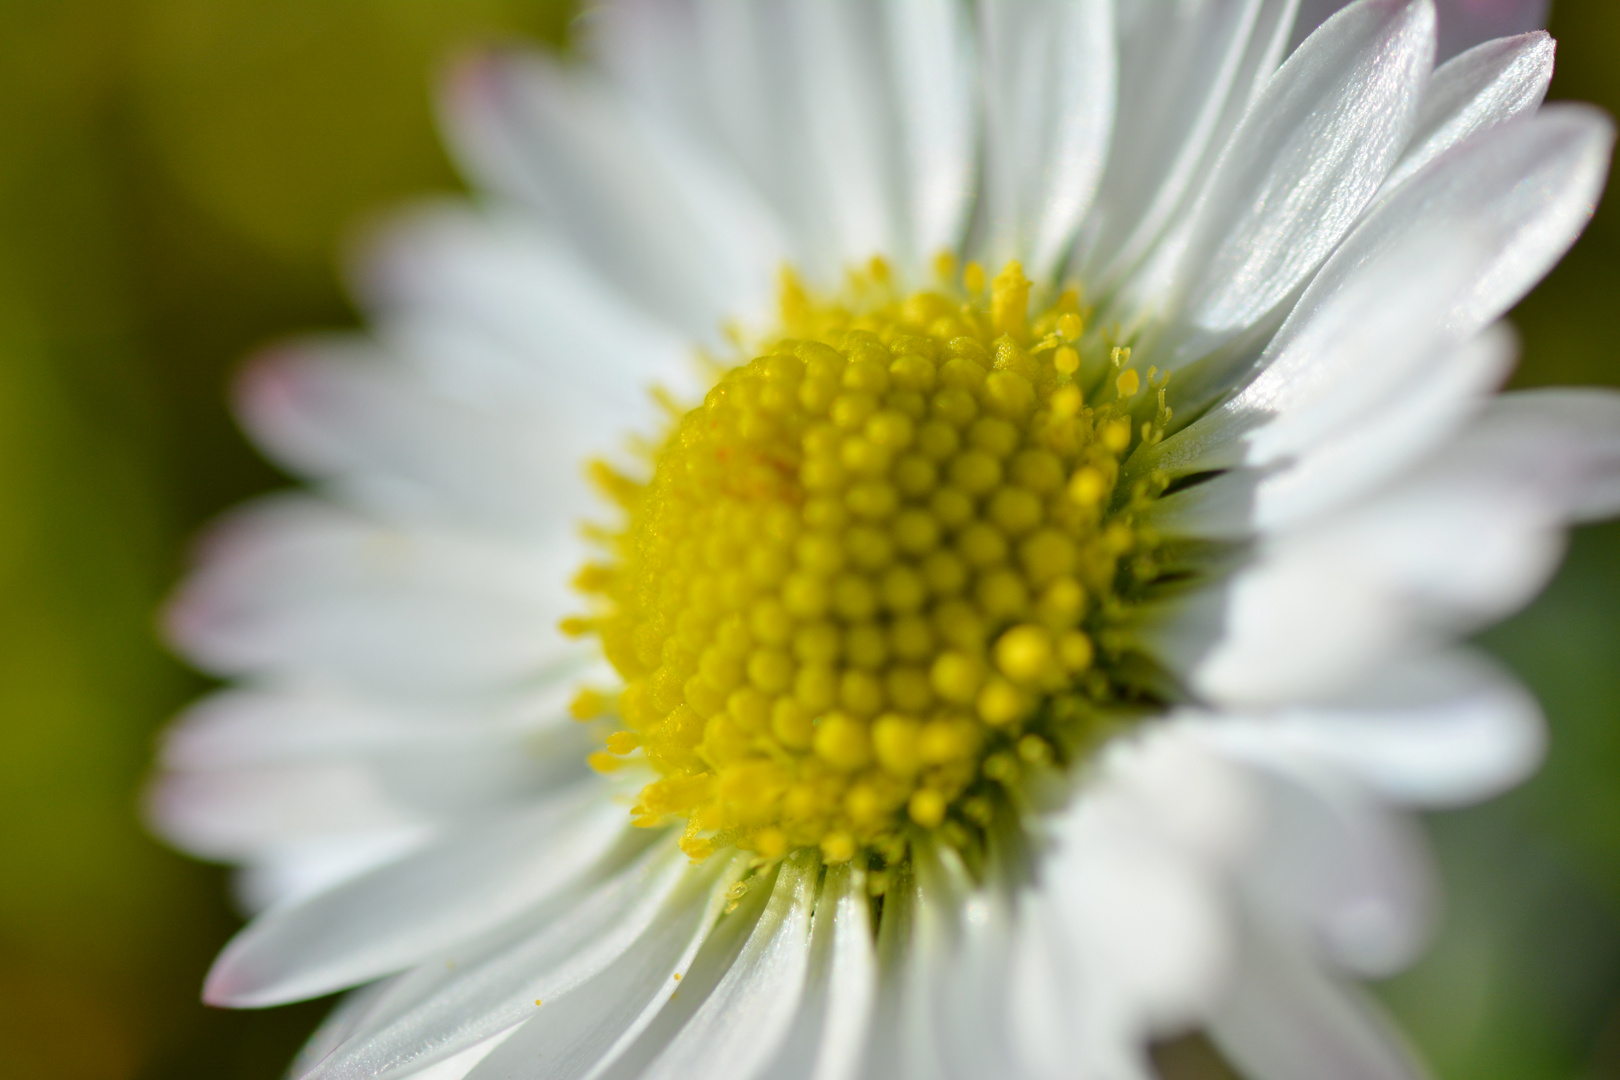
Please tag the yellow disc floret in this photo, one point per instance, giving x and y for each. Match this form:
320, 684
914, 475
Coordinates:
870, 579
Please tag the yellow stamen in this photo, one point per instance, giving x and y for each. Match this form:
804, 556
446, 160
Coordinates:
973, 279
1009, 300
859, 592
588, 704
604, 762
622, 742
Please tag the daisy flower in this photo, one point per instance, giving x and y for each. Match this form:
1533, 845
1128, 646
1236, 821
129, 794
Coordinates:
911, 539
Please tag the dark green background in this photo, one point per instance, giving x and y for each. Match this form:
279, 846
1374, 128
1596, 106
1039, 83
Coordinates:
174, 177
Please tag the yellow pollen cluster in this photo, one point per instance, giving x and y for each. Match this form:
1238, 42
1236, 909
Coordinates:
860, 592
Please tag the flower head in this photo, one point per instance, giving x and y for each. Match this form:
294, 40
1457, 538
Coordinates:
862, 587
1042, 457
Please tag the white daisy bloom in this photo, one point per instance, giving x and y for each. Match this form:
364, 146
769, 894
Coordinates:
1021, 636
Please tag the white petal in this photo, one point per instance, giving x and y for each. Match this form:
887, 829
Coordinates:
313, 786
828, 1035
850, 128
538, 437
244, 812
1485, 86
348, 412
289, 872
1463, 23
1050, 91
912, 945
1527, 188
580, 1033
458, 1067
1046, 991
676, 232
1187, 73
931, 47
1299, 170
1337, 868
708, 970
856, 120
1317, 611
1410, 422
392, 917
1465, 540
1146, 937
1285, 1018
349, 1011
482, 989
739, 1027
1440, 398
750, 71
1352, 343
1276, 630
965, 985
1154, 943
1447, 254
571, 340
1169, 791
655, 51
261, 726
888, 121
903, 1038
291, 584
1440, 731
1124, 937
267, 775
1562, 443
1475, 532
726, 75
1485, 221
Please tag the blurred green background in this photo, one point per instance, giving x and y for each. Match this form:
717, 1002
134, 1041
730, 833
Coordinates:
174, 178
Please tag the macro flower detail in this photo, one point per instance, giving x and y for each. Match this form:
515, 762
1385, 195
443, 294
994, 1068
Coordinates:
862, 586
910, 539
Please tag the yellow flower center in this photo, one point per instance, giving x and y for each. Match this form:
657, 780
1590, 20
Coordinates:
876, 576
